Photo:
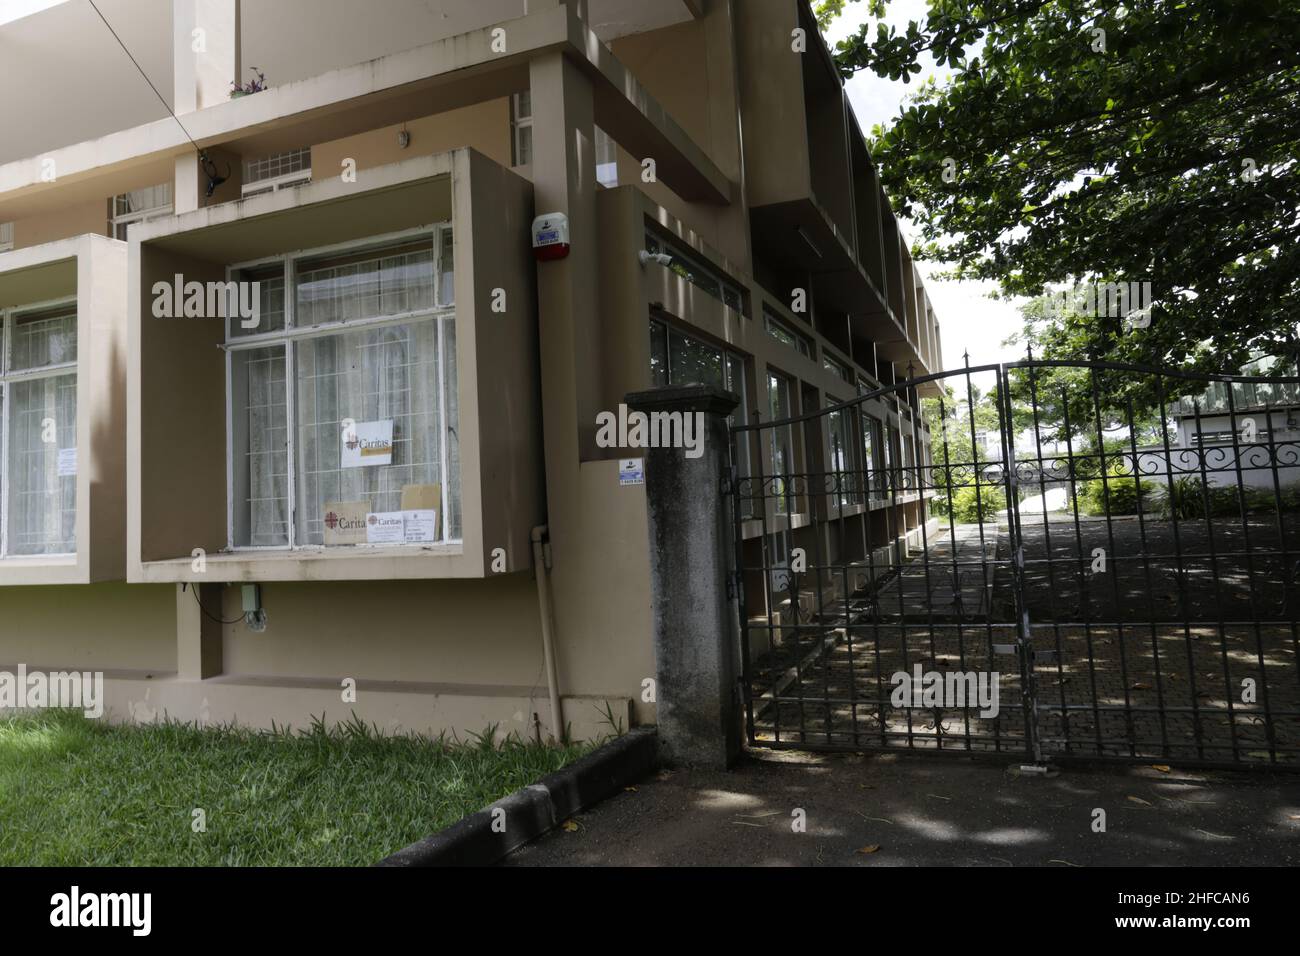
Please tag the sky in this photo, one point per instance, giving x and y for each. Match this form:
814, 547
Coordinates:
11, 10
969, 318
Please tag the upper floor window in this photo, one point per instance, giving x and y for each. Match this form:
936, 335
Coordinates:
780, 407
521, 141
832, 364
278, 171
784, 334
680, 359
343, 403
695, 271
606, 159
140, 205
521, 129
6, 236
38, 419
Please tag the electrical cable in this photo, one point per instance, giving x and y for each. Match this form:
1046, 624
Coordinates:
215, 179
146, 78
206, 613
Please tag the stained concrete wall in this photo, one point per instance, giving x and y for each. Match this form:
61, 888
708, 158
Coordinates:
89, 627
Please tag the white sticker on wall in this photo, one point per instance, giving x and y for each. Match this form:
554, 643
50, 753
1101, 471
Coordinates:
367, 443
631, 471
385, 527
67, 462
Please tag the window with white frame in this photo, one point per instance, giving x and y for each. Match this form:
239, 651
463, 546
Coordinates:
696, 272
6, 236
779, 408
778, 329
834, 365
268, 174
353, 356
872, 453
606, 159
38, 422
839, 427
521, 129
140, 205
680, 359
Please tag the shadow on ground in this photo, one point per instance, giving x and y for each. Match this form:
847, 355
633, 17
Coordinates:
932, 811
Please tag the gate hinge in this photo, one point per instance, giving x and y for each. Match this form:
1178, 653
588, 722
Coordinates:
733, 585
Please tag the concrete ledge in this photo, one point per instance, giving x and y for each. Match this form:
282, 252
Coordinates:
530, 812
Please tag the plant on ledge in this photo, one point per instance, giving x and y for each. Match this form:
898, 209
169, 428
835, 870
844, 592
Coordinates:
252, 86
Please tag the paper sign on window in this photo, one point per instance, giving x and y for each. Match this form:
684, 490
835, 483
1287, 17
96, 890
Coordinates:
345, 522
421, 526
367, 443
67, 462
385, 527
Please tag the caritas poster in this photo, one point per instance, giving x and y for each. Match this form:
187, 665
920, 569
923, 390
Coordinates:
367, 443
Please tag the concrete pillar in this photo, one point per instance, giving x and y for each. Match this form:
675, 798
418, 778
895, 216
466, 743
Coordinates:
564, 181
206, 52
198, 636
690, 550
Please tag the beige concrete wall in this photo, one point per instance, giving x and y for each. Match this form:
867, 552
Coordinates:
101, 407
495, 267
773, 116
483, 632
483, 126
62, 223
89, 626
691, 70
179, 377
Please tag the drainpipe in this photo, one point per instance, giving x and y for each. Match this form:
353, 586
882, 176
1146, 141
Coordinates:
541, 568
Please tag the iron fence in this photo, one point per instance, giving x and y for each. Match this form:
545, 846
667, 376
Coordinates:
1116, 567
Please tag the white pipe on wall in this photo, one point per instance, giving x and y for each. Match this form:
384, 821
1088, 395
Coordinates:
542, 572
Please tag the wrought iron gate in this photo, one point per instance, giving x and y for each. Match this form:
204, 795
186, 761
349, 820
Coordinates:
1113, 550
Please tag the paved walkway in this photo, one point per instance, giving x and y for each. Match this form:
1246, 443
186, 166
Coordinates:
932, 811
951, 580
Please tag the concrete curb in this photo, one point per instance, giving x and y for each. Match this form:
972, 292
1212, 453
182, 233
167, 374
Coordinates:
530, 812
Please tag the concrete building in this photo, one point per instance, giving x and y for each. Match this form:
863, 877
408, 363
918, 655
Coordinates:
202, 523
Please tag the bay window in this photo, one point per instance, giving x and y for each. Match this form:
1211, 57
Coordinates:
38, 434
343, 403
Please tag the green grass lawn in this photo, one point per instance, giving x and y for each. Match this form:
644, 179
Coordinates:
78, 792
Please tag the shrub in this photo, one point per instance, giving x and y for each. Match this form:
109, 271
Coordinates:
1117, 495
1187, 498
967, 507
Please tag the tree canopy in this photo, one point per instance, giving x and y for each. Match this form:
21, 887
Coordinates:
1098, 142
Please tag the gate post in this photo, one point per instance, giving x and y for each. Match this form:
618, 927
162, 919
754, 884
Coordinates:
690, 540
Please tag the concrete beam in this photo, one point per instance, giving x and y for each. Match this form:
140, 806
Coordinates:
469, 65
